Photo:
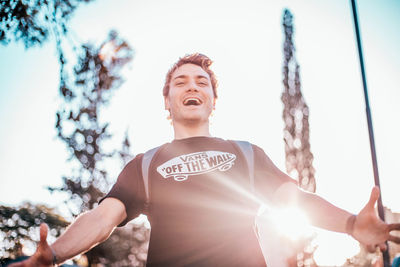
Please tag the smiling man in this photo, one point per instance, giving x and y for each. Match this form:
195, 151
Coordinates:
200, 193
190, 98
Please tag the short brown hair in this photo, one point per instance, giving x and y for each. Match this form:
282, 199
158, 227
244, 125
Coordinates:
197, 59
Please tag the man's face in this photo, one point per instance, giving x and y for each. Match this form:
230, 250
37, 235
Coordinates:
190, 98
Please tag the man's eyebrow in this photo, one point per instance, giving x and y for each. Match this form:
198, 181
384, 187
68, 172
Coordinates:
183, 76
180, 76
201, 76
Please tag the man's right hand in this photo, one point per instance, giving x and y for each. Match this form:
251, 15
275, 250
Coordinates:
89, 229
43, 256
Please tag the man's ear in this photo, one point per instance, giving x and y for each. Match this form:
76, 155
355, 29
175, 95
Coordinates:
166, 103
167, 107
214, 102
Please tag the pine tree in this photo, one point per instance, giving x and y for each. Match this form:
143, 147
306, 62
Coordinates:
295, 115
296, 133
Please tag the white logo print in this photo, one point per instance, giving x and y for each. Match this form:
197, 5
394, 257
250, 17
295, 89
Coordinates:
196, 163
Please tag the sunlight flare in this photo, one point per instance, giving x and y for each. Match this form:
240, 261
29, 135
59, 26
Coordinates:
289, 222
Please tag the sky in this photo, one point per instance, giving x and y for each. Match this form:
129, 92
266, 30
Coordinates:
245, 41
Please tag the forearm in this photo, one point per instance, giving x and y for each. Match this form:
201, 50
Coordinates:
324, 214
320, 212
84, 233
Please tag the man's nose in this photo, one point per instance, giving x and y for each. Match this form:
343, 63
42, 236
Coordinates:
192, 86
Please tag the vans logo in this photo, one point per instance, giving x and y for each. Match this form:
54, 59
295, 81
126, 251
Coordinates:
181, 167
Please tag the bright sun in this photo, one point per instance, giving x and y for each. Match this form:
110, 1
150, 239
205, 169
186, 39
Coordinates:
289, 222
279, 229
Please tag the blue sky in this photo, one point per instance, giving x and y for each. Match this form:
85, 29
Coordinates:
244, 38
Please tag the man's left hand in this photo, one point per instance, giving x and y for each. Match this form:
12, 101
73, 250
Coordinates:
370, 230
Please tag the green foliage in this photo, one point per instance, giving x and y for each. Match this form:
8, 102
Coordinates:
32, 21
95, 77
85, 88
17, 225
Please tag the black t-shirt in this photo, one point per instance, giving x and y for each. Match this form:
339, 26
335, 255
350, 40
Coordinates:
202, 206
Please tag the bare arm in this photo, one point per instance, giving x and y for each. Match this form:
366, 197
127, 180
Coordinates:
366, 227
320, 212
88, 230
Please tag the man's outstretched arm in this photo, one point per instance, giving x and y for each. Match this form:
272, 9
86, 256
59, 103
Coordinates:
366, 227
88, 230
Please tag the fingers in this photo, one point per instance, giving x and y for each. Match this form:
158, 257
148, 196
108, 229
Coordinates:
382, 247
371, 248
43, 233
373, 198
395, 239
394, 226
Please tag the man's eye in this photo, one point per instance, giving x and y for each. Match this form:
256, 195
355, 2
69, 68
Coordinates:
179, 83
203, 83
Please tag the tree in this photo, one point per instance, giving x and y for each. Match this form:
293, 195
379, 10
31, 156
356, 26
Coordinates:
32, 21
296, 133
295, 115
85, 89
78, 125
95, 78
17, 226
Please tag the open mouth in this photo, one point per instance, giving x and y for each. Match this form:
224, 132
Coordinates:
192, 101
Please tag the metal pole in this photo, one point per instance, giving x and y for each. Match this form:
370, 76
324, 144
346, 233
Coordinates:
386, 258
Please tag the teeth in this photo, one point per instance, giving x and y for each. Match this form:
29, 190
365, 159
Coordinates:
192, 101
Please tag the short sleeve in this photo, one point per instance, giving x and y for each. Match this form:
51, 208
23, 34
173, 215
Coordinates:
129, 189
267, 177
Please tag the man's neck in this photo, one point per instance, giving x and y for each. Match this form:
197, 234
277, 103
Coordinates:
187, 130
